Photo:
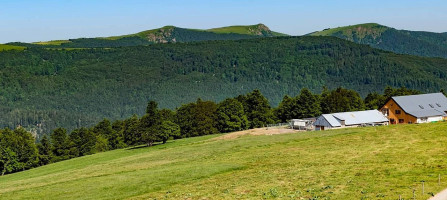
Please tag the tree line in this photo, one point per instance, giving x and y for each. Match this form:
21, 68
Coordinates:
20, 151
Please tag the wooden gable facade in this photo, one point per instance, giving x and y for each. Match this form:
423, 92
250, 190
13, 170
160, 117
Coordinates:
395, 114
411, 109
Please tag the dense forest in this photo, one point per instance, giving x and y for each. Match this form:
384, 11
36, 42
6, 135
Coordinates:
19, 150
419, 43
44, 89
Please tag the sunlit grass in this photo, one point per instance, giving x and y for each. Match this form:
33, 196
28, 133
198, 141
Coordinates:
53, 42
368, 163
4, 47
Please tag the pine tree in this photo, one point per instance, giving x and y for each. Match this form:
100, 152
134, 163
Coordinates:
257, 109
45, 151
286, 108
308, 104
61, 144
84, 141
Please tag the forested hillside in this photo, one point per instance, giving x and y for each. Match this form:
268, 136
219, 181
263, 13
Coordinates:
58, 88
166, 34
400, 41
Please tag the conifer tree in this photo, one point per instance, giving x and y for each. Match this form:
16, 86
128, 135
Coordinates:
45, 151
257, 109
61, 144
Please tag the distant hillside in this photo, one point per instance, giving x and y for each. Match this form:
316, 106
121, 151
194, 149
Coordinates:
4, 47
258, 30
166, 34
50, 88
399, 41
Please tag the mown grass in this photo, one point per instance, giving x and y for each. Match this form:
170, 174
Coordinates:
5, 47
360, 163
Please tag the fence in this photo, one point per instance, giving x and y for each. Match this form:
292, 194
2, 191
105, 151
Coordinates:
278, 125
418, 191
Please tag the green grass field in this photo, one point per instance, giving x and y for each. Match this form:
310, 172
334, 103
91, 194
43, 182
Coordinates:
358, 163
52, 42
4, 47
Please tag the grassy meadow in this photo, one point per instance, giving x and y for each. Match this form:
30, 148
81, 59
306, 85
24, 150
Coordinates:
357, 163
5, 47
52, 42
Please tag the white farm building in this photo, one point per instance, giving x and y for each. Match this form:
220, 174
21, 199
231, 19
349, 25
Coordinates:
350, 119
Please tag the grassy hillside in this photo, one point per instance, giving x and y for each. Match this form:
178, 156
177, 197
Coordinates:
360, 163
166, 34
81, 87
4, 47
258, 30
390, 39
52, 42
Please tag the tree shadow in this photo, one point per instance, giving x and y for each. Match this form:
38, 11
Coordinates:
144, 146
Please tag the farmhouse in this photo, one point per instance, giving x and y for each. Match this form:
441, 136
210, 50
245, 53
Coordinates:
350, 119
410, 109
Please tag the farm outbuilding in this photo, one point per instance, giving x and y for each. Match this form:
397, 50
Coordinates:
350, 119
302, 124
412, 109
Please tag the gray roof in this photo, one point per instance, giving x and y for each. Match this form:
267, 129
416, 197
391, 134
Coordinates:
355, 118
423, 105
331, 119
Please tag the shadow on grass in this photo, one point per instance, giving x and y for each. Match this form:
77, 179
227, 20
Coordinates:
146, 146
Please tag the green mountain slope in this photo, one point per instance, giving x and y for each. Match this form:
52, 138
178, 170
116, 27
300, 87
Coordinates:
359, 163
51, 88
257, 30
399, 41
166, 34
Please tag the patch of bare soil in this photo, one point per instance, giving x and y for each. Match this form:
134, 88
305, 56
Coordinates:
257, 131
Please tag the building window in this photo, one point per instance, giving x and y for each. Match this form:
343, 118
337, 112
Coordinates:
392, 121
401, 121
397, 112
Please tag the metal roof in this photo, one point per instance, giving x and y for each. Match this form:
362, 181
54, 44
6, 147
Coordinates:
354, 118
423, 105
300, 120
330, 118
361, 117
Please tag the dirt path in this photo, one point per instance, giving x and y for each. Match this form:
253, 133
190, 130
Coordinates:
257, 131
440, 196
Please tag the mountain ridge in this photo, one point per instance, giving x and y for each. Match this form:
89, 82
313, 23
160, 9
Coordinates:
420, 43
165, 34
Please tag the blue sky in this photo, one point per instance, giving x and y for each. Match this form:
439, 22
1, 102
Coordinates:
42, 20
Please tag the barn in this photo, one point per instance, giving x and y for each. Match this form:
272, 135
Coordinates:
350, 119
